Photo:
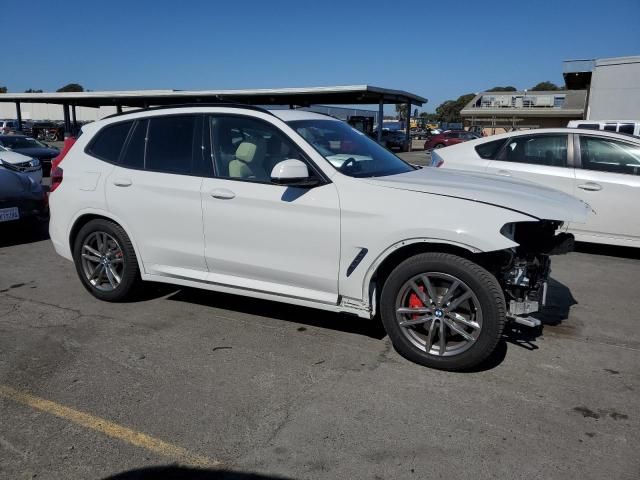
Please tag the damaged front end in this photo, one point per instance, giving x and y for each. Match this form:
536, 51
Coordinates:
524, 273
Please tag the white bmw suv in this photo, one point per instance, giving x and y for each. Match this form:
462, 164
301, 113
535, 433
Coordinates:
301, 208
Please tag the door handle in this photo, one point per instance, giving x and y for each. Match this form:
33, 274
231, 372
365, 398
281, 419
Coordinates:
122, 182
591, 186
222, 194
504, 173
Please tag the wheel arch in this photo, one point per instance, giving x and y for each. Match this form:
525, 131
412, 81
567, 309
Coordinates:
85, 217
382, 267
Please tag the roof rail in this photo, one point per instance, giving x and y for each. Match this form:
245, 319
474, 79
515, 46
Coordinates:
185, 105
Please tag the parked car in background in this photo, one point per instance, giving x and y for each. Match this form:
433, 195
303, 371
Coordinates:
47, 131
629, 127
21, 163
393, 139
599, 167
449, 137
21, 198
301, 208
7, 126
32, 148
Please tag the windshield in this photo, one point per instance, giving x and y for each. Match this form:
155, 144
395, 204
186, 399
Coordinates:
21, 142
349, 150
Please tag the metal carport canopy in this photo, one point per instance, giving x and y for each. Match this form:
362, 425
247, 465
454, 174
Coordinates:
340, 95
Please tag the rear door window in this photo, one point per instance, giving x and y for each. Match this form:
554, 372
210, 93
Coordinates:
606, 155
108, 142
173, 143
133, 157
547, 150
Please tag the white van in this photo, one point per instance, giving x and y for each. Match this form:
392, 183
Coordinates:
630, 127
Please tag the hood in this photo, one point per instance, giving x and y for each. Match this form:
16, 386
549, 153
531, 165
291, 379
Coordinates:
13, 157
37, 152
525, 197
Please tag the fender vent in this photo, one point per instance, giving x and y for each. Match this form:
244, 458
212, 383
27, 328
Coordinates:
356, 261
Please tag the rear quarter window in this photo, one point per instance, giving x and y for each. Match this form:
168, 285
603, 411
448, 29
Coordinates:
489, 150
108, 142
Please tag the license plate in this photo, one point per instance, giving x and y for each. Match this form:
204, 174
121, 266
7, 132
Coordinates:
7, 214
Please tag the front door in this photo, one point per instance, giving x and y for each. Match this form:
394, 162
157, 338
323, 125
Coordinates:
260, 236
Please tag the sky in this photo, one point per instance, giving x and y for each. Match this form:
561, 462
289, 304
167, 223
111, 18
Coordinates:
438, 50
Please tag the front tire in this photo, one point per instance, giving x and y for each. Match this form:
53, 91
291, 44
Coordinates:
443, 311
106, 261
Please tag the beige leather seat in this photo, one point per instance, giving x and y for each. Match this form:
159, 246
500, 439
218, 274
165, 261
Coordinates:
249, 161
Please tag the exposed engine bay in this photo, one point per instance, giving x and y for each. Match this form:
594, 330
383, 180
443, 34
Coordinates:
525, 271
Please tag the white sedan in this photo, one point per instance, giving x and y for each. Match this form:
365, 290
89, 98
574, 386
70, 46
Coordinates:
21, 163
600, 168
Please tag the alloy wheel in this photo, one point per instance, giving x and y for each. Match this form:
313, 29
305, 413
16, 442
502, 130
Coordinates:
438, 313
102, 261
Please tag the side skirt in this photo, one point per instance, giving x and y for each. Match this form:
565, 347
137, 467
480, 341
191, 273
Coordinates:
353, 307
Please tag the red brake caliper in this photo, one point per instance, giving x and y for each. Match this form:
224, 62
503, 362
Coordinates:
415, 302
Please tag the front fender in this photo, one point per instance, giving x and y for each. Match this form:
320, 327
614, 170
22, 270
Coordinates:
382, 221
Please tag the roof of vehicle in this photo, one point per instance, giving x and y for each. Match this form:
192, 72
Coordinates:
603, 121
585, 131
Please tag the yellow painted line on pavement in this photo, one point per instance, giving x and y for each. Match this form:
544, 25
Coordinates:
108, 428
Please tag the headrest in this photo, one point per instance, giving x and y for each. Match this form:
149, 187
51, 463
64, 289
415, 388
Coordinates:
246, 152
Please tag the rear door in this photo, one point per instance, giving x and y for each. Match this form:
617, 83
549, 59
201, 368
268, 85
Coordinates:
539, 158
155, 191
609, 180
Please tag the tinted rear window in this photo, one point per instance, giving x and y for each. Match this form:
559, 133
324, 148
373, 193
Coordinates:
590, 126
490, 149
109, 141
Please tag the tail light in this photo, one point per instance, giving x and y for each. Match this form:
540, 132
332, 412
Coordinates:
56, 178
438, 163
68, 143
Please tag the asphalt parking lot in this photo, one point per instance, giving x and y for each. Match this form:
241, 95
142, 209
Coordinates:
214, 382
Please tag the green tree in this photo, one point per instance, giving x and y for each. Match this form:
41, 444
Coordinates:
449, 110
429, 117
71, 87
502, 89
31, 90
3, 89
545, 86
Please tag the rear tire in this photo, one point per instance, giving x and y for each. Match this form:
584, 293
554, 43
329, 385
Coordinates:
472, 315
439, 145
106, 261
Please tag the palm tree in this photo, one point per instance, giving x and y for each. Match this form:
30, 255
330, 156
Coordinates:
401, 110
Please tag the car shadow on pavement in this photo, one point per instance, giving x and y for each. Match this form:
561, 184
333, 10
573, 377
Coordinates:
186, 473
282, 311
559, 303
22, 233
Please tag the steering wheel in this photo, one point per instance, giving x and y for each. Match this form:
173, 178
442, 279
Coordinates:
348, 164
